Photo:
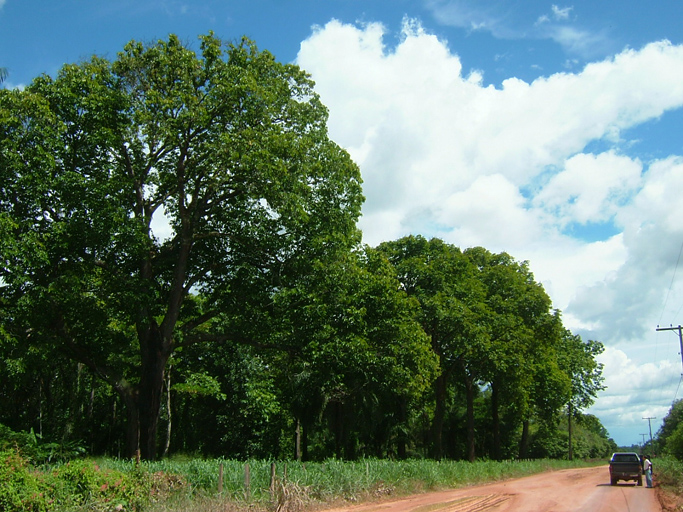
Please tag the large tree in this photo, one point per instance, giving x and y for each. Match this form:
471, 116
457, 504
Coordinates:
357, 355
452, 313
131, 185
523, 332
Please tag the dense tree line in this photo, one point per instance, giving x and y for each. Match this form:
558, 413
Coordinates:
669, 438
259, 326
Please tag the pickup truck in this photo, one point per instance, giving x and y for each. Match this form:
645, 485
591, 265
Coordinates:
625, 466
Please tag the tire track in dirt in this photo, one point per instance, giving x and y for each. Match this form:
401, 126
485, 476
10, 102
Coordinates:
466, 504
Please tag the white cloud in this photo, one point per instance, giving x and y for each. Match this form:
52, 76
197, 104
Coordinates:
507, 168
561, 13
591, 188
635, 391
486, 15
574, 40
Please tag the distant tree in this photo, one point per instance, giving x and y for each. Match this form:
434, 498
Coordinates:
577, 359
3, 74
590, 439
227, 149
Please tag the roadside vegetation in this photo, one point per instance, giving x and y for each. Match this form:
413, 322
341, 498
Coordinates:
213, 484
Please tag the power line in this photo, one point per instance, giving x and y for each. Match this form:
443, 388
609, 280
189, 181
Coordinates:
678, 388
680, 336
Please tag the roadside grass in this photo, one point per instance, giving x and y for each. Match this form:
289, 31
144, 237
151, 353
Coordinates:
210, 485
668, 472
295, 486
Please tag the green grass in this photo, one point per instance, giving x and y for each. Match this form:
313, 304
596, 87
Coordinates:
335, 480
668, 472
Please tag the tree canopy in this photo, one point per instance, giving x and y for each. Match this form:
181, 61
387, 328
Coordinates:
130, 185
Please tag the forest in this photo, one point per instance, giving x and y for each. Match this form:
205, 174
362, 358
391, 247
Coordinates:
181, 272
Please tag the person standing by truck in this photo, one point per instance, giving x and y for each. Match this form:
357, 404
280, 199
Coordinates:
647, 469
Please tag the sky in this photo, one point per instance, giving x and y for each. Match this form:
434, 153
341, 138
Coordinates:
551, 131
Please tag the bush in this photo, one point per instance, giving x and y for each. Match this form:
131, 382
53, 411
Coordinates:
21, 489
77, 485
674, 443
31, 446
105, 489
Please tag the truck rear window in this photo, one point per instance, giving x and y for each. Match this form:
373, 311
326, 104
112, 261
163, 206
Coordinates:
625, 457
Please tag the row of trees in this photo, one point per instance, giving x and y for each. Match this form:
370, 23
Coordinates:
181, 271
669, 438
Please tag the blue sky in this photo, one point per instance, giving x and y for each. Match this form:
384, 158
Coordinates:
552, 131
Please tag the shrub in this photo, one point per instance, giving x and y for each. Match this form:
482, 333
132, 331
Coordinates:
32, 447
20, 488
109, 489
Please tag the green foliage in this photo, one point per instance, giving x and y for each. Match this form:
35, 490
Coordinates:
590, 439
38, 452
254, 316
668, 472
670, 435
91, 486
20, 489
77, 485
674, 442
228, 147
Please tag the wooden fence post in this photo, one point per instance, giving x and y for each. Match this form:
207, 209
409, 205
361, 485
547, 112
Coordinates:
272, 477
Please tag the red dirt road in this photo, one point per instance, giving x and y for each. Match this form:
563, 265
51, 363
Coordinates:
570, 490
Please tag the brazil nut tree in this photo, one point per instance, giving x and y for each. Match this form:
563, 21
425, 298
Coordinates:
131, 185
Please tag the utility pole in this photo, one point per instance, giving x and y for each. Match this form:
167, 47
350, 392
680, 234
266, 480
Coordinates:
649, 422
680, 336
643, 445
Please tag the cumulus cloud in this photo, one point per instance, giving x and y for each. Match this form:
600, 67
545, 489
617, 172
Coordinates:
509, 168
635, 391
611, 180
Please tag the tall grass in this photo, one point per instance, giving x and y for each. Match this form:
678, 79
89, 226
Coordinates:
668, 472
332, 480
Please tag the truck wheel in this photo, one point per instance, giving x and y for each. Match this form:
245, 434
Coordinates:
613, 481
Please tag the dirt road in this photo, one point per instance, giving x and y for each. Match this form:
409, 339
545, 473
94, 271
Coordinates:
571, 490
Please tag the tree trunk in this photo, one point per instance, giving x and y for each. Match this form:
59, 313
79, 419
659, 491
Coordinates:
167, 445
304, 441
495, 419
469, 386
401, 442
569, 430
338, 428
524, 441
439, 415
133, 427
154, 357
297, 441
